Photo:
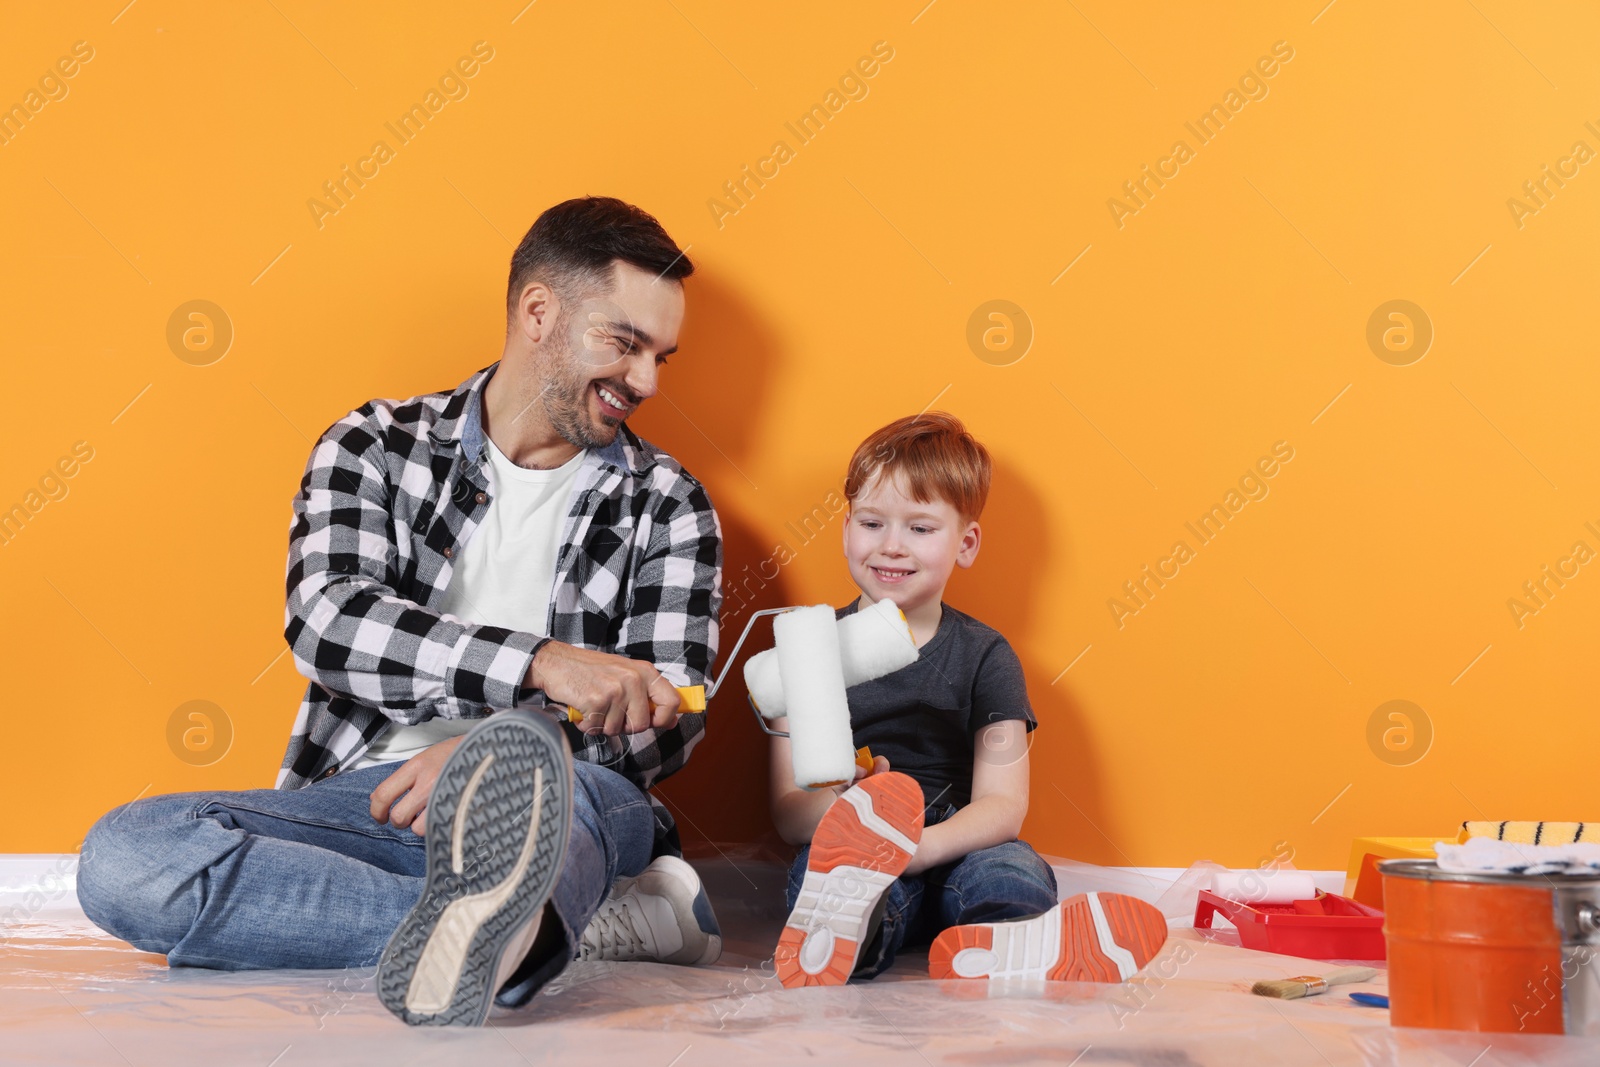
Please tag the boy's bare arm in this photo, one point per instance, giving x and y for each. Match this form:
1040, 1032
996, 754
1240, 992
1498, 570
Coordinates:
999, 799
796, 811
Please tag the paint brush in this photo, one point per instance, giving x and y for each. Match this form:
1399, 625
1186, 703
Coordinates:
1310, 985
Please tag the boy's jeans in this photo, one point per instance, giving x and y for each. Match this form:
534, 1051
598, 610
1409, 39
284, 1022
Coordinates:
306, 877
1007, 881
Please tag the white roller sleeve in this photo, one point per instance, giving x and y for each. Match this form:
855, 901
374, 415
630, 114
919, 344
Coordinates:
1265, 887
820, 740
875, 642
872, 643
766, 688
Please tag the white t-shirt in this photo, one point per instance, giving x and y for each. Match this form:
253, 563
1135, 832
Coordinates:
503, 577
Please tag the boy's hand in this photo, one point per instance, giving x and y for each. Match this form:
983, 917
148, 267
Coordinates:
879, 765
414, 778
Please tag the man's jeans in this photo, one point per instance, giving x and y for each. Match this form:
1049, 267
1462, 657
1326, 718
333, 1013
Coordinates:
1007, 881
307, 878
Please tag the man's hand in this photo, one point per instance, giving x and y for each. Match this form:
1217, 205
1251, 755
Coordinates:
614, 693
417, 775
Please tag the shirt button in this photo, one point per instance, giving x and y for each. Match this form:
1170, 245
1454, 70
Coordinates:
482, 498
449, 553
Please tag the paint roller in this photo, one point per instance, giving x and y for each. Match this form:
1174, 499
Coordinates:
804, 678
815, 659
812, 671
1265, 886
872, 643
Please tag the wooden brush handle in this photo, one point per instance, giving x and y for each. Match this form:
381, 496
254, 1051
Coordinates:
1342, 975
1337, 976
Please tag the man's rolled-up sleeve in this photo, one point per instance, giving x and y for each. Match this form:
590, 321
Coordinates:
349, 630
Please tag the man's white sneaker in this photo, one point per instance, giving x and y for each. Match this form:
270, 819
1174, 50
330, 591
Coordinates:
499, 819
661, 914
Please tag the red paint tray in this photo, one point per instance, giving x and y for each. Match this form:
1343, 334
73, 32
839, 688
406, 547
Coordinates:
1328, 927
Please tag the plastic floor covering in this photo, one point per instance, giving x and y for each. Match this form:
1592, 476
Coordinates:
70, 994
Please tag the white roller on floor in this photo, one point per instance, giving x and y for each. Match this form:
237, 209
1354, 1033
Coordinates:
1265, 887
872, 643
821, 743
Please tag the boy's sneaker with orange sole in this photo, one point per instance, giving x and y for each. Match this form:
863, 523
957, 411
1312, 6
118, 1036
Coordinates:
1092, 937
863, 843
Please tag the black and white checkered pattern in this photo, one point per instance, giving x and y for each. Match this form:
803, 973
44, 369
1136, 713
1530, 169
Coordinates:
392, 493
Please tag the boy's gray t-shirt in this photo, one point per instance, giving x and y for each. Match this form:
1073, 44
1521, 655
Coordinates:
924, 717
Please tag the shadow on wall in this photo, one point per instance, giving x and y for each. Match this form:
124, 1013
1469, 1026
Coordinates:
706, 414
1002, 589
721, 797
712, 395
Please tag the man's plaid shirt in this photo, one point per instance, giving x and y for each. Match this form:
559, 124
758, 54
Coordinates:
391, 495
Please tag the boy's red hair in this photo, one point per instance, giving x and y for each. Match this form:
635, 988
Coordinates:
933, 457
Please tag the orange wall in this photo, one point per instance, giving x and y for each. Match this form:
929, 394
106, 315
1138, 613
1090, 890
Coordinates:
1187, 338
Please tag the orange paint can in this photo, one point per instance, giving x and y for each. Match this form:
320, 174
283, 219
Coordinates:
1491, 952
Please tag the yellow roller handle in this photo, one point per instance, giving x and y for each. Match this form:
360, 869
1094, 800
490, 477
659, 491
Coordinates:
691, 701
863, 760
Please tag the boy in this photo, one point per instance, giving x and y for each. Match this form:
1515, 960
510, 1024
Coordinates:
954, 726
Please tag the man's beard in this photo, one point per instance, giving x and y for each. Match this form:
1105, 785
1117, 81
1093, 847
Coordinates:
566, 400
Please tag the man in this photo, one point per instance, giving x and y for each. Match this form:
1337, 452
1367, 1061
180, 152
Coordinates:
457, 560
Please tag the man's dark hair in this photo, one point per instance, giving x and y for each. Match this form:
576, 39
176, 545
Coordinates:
572, 246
